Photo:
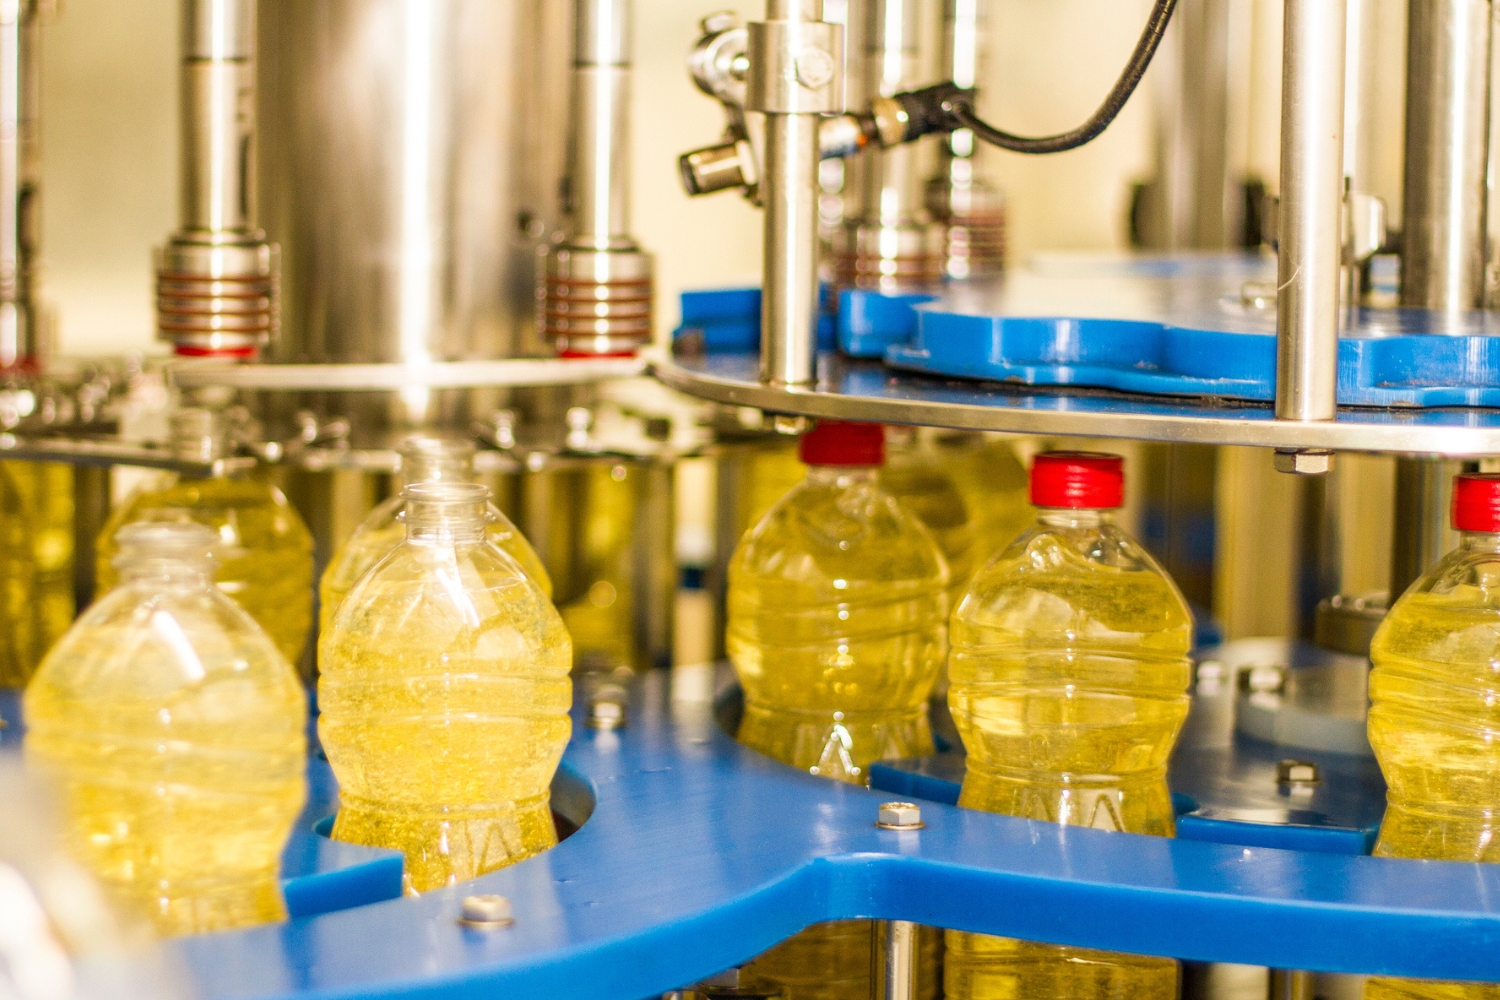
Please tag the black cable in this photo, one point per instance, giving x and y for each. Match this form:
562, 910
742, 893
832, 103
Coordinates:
959, 104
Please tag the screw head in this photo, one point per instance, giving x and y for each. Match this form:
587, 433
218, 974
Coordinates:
900, 816
486, 912
719, 21
1304, 463
815, 68
1298, 772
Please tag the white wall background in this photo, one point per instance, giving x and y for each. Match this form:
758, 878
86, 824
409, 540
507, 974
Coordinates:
109, 153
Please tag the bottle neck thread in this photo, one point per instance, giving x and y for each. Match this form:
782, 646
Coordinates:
445, 512
425, 460
1480, 541
1074, 517
841, 475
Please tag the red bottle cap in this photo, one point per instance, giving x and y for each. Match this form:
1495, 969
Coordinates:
1476, 501
1077, 479
838, 442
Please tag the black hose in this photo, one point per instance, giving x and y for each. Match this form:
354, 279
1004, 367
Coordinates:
959, 104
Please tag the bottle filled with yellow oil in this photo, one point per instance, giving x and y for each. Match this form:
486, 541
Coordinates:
1069, 671
1435, 712
175, 732
265, 549
993, 483
444, 694
837, 629
36, 564
423, 460
915, 476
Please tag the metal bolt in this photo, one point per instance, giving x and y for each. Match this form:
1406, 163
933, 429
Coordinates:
789, 424
900, 816
1297, 772
815, 68
718, 21
607, 708
486, 912
1304, 463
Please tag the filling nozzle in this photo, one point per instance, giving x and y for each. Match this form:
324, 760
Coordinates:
217, 275
597, 284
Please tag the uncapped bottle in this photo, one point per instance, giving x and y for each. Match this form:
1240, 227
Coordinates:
175, 732
265, 550
1435, 712
837, 613
444, 694
423, 460
1069, 670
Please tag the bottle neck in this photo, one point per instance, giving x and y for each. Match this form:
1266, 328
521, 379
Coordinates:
1074, 517
446, 522
428, 468
174, 572
841, 475
1480, 541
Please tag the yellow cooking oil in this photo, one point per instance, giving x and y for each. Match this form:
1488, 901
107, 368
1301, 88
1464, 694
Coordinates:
836, 628
1435, 713
1069, 670
423, 459
993, 483
444, 694
175, 732
36, 564
914, 475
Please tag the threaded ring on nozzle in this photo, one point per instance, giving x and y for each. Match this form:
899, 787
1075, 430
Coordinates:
890, 259
217, 298
596, 302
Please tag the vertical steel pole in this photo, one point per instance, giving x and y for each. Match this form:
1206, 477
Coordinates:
895, 959
1312, 196
20, 45
796, 77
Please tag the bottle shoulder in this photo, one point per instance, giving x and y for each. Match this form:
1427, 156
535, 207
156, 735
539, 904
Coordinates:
838, 537
240, 506
1449, 617
1074, 580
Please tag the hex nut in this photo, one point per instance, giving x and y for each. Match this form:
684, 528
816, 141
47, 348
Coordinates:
606, 715
486, 912
815, 68
1304, 463
900, 816
1298, 772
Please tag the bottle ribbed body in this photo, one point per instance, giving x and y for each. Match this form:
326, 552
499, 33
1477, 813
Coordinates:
444, 694
1435, 728
381, 531
36, 564
1069, 673
175, 731
837, 611
265, 549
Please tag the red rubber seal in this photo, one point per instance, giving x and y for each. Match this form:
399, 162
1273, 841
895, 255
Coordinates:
838, 442
185, 351
1078, 479
1476, 501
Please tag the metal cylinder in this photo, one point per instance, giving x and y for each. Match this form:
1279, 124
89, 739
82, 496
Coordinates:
410, 166
1447, 153
892, 245
895, 960
1312, 198
959, 196
1420, 532
20, 45
597, 290
216, 277
795, 77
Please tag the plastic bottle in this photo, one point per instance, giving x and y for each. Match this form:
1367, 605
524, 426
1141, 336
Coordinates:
993, 483
1069, 672
36, 564
175, 731
265, 549
837, 612
444, 693
423, 459
1435, 711
915, 476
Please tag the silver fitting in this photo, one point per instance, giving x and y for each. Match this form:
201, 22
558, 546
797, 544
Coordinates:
607, 708
1298, 773
900, 816
1304, 462
198, 435
486, 912
779, 52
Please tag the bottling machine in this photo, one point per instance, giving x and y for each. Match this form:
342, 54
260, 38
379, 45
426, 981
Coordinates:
384, 227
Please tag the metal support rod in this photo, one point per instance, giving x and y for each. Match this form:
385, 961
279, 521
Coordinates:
20, 45
1420, 534
1312, 196
600, 182
1447, 154
796, 77
91, 503
1288, 984
895, 958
